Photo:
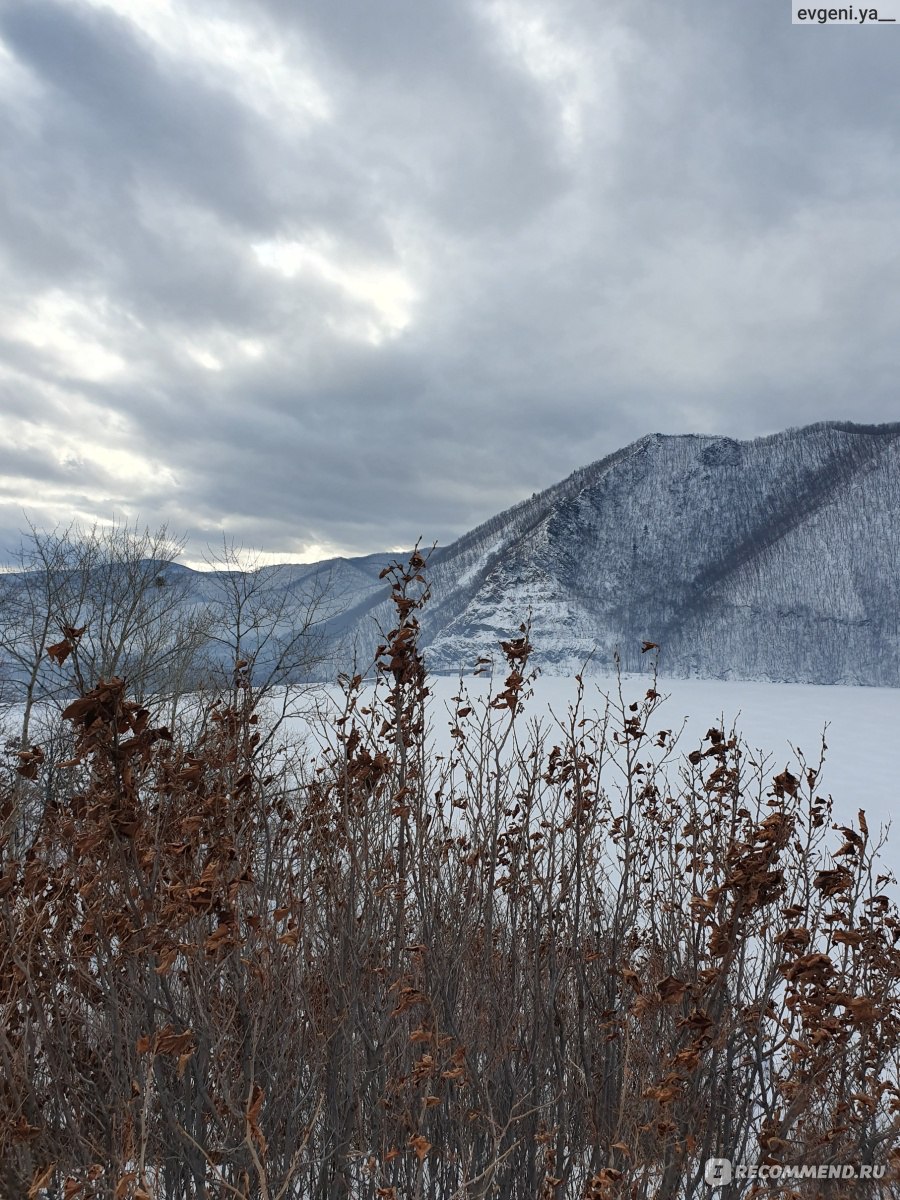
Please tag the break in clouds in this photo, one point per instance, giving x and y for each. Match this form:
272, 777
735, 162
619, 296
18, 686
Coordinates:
331, 276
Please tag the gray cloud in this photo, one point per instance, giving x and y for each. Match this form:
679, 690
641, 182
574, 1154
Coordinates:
332, 276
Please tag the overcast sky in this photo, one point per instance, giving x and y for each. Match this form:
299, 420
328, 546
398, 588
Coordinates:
331, 274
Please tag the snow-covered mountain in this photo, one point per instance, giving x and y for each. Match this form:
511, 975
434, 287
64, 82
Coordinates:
777, 558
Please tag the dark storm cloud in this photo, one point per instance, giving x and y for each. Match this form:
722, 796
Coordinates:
129, 114
332, 276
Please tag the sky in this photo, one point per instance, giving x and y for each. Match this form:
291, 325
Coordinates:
327, 276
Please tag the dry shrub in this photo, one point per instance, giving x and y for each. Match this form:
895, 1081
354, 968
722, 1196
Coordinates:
538, 967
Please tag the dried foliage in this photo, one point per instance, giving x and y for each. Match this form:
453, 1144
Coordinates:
536, 968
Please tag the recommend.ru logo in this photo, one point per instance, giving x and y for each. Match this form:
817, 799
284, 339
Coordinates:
719, 1172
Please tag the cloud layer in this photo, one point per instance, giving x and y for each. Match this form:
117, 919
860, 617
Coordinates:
330, 276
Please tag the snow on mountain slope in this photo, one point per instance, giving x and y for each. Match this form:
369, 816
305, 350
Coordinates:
775, 558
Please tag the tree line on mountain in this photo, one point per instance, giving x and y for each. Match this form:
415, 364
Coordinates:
567, 962
696, 543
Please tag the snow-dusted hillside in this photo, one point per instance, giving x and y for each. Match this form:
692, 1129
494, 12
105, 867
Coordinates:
773, 559
776, 559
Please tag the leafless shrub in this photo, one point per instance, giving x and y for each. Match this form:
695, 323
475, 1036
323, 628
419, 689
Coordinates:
571, 966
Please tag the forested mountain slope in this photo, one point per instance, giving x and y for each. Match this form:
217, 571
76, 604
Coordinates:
775, 558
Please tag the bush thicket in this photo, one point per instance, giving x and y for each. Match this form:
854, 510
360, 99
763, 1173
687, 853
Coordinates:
553, 963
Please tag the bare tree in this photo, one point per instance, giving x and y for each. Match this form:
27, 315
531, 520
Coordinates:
267, 640
84, 605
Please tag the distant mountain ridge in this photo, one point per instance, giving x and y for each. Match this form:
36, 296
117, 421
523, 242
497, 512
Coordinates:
776, 558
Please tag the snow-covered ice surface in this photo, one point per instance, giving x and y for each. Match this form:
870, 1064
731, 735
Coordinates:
862, 763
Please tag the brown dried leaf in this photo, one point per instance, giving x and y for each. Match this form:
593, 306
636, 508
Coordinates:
169, 1042
122, 1186
421, 1146
671, 990
254, 1107
60, 651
